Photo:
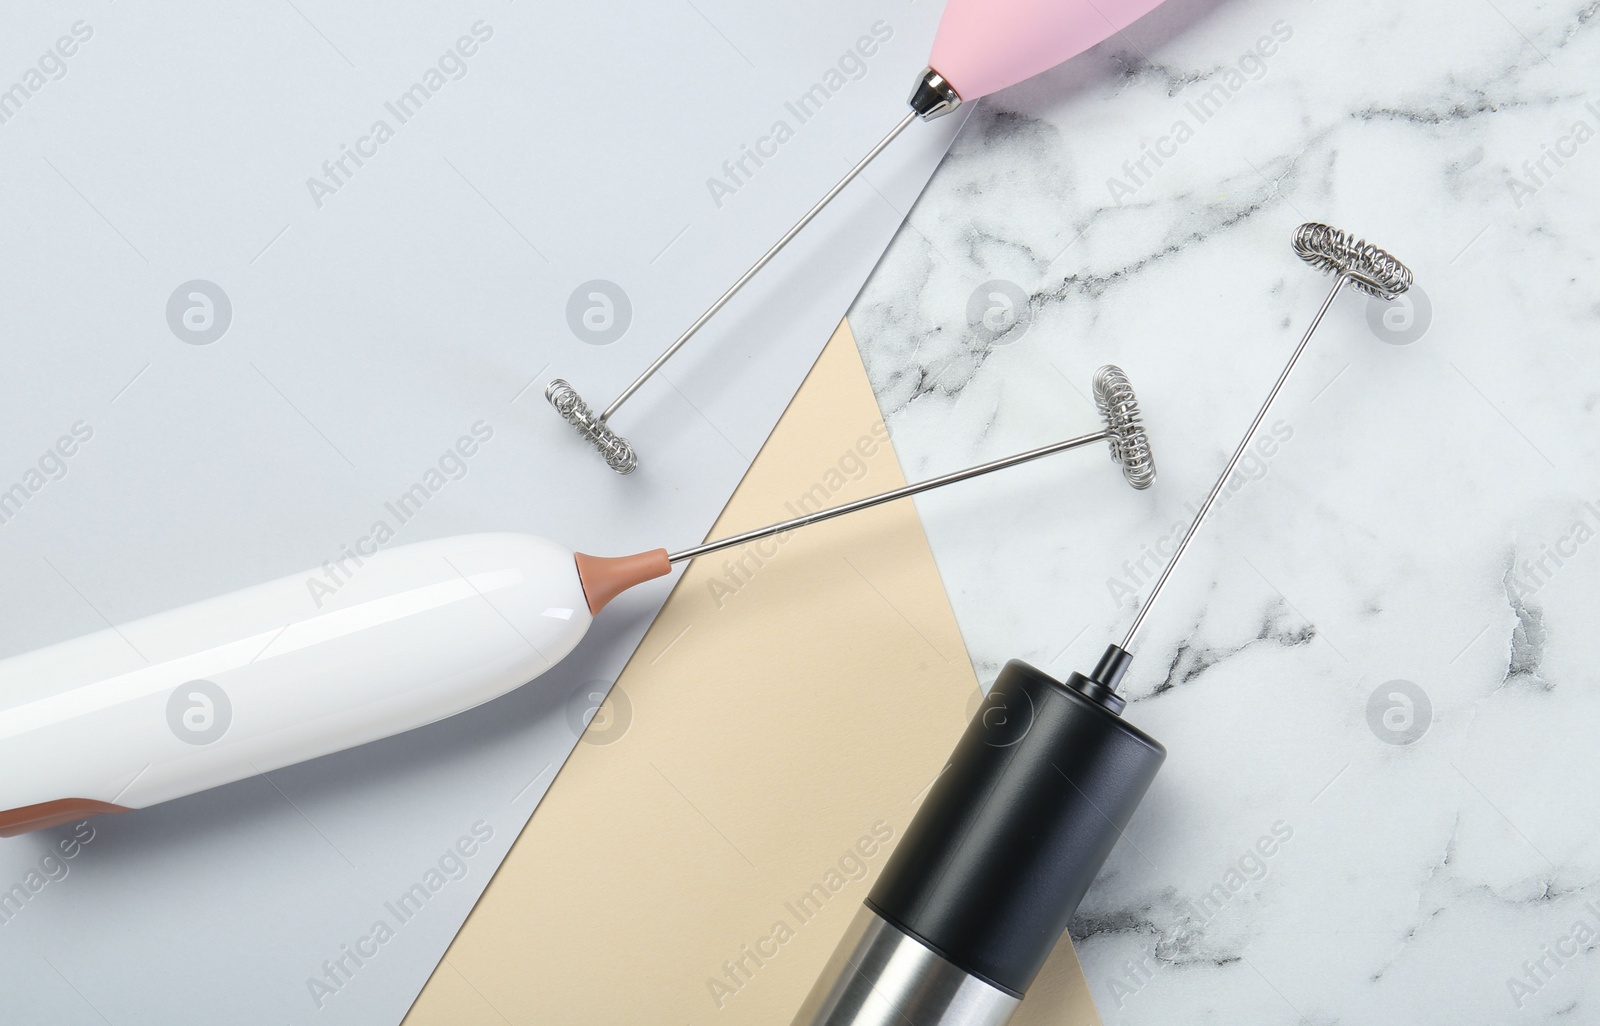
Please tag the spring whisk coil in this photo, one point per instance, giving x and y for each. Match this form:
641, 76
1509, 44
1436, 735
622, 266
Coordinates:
1374, 271
613, 448
1130, 445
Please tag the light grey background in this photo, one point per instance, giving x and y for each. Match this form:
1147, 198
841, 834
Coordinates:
427, 293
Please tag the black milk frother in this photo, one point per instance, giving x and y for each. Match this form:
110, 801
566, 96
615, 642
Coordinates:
1025, 812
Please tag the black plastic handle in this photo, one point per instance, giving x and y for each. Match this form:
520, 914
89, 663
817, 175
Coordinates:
1035, 795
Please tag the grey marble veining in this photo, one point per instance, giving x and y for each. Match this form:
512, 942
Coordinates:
1374, 669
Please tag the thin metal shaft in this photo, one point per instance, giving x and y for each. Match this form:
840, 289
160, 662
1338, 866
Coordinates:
1233, 462
756, 267
890, 496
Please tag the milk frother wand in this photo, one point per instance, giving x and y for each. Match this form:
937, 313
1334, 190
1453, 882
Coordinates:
981, 46
1038, 790
286, 671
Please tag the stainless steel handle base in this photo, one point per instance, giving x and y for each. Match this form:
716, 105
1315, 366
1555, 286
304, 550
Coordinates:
879, 976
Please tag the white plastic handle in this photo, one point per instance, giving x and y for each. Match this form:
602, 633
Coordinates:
282, 672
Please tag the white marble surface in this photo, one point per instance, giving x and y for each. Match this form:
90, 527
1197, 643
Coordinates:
1388, 536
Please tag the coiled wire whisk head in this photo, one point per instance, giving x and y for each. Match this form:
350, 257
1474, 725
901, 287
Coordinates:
1374, 271
1130, 446
613, 448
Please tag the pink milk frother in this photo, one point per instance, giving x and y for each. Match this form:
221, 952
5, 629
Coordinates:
981, 46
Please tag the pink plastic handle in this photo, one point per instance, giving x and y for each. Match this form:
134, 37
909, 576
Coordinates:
985, 45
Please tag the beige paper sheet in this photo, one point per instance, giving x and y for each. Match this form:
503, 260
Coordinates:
785, 713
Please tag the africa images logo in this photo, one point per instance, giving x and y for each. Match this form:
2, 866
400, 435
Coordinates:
199, 712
